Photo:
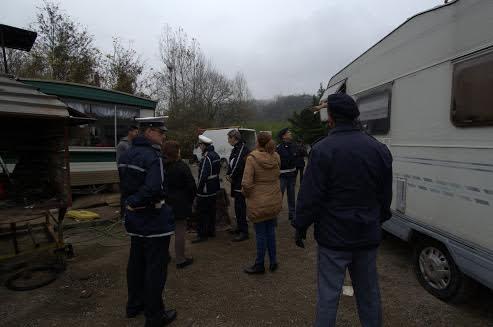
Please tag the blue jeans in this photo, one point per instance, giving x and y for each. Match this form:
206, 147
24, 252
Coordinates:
265, 233
362, 265
288, 182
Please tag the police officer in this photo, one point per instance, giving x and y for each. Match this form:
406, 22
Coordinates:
287, 151
346, 192
208, 186
148, 221
235, 176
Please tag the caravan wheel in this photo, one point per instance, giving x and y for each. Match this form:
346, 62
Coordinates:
438, 274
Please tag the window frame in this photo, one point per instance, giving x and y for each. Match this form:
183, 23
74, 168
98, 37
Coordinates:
456, 69
385, 89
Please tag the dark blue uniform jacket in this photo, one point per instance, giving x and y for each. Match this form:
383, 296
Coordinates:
287, 153
237, 165
209, 169
346, 191
142, 183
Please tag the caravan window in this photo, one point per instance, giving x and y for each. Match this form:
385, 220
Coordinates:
374, 107
472, 102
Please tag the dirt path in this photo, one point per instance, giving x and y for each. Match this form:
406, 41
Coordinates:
215, 292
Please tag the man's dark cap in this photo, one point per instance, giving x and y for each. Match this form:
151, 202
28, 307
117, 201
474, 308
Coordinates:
132, 128
341, 104
282, 132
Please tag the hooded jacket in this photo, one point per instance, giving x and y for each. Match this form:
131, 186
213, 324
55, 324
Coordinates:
261, 185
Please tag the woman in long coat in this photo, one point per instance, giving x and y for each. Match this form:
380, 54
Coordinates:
262, 191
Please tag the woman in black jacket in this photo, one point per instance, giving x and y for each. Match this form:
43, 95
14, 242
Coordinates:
180, 196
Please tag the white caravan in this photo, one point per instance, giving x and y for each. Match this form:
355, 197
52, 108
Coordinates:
220, 138
426, 90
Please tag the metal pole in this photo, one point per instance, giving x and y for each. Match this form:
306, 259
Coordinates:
4, 55
116, 137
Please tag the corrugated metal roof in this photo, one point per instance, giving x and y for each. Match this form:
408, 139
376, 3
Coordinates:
20, 99
88, 92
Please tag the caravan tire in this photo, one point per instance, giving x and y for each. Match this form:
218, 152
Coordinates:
438, 274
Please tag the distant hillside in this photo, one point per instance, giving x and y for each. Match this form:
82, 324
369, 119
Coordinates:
282, 107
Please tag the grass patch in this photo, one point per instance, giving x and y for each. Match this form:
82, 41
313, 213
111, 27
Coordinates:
273, 126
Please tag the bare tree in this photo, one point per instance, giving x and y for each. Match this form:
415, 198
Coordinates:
122, 69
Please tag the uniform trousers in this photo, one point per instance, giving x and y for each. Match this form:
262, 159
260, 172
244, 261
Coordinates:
146, 275
240, 212
288, 183
362, 266
206, 209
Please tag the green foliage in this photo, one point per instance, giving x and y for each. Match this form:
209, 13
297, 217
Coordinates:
307, 125
63, 51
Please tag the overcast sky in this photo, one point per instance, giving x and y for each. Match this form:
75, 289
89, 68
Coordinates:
281, 46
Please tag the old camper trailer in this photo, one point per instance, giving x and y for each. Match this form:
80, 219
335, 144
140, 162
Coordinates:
426, 90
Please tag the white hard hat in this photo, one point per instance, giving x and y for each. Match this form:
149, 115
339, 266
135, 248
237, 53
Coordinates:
204, 139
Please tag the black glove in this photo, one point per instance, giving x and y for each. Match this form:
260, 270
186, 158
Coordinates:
300, 235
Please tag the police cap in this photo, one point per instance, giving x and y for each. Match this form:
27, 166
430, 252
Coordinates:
205, 140
154, 122
341, 104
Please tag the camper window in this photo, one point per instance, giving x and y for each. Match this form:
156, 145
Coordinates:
101, 133
374, 107
472, 100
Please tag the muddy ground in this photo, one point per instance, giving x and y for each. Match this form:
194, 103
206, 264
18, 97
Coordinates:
215, 292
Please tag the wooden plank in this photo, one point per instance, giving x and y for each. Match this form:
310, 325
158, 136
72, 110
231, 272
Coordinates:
94, 178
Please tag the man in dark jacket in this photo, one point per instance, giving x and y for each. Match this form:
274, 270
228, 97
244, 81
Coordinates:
346, 192
149, 222
235, 176
208, 186
287, 150
126, 142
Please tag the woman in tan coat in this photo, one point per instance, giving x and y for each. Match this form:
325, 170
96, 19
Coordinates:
262, 191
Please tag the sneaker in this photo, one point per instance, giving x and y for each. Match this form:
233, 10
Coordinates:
187, 262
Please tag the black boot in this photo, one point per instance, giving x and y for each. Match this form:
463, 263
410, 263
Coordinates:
241, 237
273, 267
132, 313
255, 269
187, 262
199, 239
167, 318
